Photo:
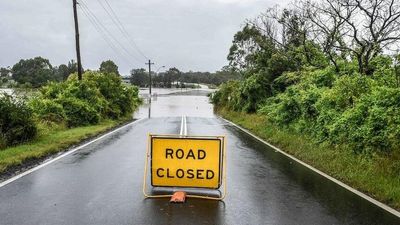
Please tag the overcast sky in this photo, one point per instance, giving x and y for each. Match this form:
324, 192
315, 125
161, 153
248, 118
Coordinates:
187, 34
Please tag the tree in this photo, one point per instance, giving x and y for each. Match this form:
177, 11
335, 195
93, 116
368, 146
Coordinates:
247, 45
397, 69
172, 74
109, 67
5, 72
166, 79
36, 71
363, 29
63, 71
139, 77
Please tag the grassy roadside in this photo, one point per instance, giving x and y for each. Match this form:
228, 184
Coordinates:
50, 141
371, 175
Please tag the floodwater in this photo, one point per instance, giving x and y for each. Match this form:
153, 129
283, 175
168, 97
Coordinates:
175, 102
17, 92
8, 91
102, 182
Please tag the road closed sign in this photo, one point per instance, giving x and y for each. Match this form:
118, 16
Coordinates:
186, 161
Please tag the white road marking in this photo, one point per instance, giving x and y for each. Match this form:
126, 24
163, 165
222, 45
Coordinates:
185, 128
183, 131
362, 195
63, 155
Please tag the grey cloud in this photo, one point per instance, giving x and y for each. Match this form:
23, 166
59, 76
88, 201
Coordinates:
187, 34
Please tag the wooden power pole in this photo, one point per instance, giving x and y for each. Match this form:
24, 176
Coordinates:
149, 63
78, 51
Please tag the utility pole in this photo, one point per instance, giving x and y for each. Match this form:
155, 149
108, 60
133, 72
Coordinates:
78, 51
149, 63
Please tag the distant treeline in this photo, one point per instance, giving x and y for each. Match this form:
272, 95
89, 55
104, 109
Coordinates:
173, 77
36, 72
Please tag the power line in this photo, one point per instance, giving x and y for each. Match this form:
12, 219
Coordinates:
108, 32
101, 25
124, 31
114, 18
103, 35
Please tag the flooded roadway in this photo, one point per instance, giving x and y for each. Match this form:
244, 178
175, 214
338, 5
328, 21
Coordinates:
102, 182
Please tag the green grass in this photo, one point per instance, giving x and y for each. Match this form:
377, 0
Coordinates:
51, 139
377, 176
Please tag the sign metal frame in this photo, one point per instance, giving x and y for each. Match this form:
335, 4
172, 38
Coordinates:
222, 166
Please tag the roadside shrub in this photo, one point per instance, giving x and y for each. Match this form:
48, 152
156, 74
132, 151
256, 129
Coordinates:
373, 124
287, 79
319, 78
16, 123
355, 110
297, 104
78, 112
243, 96
87, 101
126, 100
47, 110
52, 90
227, 95
87, 92
252, 92
345, 93
120, 100
283, 108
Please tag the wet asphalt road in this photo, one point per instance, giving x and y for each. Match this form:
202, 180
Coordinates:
102, 183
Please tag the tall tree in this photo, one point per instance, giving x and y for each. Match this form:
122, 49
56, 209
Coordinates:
109, 67
247, 46
364, 29
5, 72
171, 75
139, 77
63, 71
36, 71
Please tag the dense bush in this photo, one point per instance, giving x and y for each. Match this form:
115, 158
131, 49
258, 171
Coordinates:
47, 110
120, 99
72, 102
87, 92
78, 112
228, 95
84, 102
372, 124
348, 108
16, 124
242, 96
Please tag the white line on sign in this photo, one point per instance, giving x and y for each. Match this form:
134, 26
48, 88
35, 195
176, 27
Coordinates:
64, 154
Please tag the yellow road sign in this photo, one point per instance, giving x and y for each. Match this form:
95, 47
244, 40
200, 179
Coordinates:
186, 161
